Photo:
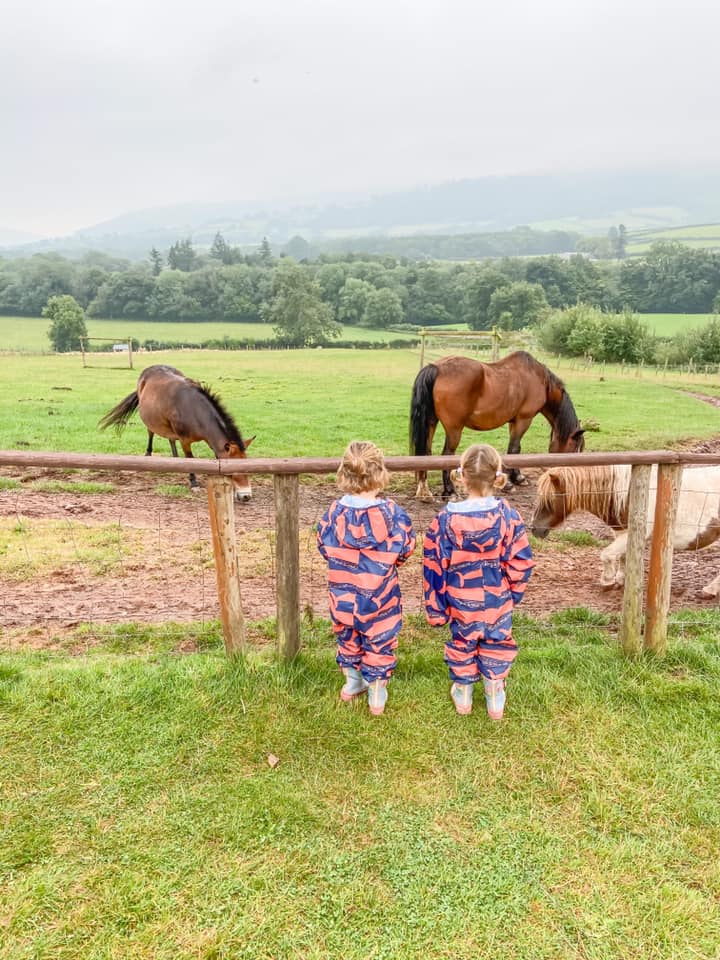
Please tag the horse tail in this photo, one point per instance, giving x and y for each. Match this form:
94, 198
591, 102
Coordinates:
120, 414
422, 409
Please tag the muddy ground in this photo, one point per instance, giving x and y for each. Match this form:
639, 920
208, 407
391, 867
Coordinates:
156, 562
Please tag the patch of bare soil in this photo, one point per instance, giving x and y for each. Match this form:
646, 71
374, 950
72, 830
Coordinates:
157, 564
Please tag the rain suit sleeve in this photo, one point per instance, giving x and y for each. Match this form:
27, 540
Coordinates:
517, 559
434, 576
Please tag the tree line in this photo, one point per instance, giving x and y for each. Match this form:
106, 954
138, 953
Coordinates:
225, 284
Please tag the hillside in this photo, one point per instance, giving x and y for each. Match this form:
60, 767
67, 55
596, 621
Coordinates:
701, 236
579, 203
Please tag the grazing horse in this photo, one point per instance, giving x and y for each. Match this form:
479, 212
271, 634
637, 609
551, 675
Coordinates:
459, 392
603, 491
179, 409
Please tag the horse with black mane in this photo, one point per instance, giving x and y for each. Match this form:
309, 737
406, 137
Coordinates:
182, 410
459, 392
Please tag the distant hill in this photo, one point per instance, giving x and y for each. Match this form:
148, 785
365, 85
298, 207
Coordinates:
579, 203
10, 238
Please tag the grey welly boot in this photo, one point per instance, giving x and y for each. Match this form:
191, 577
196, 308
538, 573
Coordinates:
354, 684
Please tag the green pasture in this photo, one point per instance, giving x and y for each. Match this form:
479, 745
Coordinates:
702, 236
670, 324
30, 334
141, 819
313, 402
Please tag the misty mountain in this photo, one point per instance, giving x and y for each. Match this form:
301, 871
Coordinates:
586, 203
11, 238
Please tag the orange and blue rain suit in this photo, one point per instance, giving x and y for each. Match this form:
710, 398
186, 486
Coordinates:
476, 564
364, 541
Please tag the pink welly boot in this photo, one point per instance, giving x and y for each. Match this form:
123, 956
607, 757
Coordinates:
354, 684
377, 697
494, 698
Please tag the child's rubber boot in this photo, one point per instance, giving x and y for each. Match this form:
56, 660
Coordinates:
462, 694
494, 698
355, 686
377, 697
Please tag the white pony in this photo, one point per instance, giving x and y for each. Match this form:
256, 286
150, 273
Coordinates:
603, 491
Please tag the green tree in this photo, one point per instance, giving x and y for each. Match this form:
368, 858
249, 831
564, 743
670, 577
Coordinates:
67, 323
476, 297
156, 261
298, 248
519, 304
383, 309
295, 308
265, 255
182, 256
220, 250
124, 295
621, 246
88, 281
353, 301
332, 277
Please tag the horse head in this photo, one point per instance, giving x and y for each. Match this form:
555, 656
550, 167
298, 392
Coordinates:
574, 443
235, 450
550, 503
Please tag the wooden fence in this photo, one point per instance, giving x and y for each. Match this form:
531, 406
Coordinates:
644, 619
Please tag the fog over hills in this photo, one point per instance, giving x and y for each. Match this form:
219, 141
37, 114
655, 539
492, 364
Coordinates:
586, 203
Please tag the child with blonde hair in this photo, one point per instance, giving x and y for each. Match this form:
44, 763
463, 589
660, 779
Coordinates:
476, 564
364, 538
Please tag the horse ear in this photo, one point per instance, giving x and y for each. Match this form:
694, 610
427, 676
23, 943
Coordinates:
578, 433
249, 441
555, 479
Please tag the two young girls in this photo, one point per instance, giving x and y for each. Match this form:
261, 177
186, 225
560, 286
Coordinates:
477, 561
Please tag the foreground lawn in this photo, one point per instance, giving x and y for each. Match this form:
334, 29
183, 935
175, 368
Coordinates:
140, 817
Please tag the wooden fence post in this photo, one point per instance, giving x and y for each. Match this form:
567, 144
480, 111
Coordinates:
287, 562
661, 556
222, 524
632, 609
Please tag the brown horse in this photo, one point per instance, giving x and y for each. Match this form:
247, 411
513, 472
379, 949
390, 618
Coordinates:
458, 392
179, 409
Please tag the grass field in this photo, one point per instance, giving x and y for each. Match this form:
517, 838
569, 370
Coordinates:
702, 236
312, 402
670, 324
30, 334
142, 821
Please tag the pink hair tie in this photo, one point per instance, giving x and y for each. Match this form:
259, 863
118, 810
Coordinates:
498, 473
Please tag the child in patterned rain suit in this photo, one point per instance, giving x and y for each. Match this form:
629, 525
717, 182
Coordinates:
364, 538
477, 562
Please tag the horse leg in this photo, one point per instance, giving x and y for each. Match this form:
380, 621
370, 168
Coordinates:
423, 490
173, 447
148, 452
452, 442
194, 485
712, 589
518, 429
612, 557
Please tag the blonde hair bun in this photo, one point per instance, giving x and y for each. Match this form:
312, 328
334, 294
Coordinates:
362, 468
482, 470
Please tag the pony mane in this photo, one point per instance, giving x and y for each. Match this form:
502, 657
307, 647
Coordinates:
231, 428
566, 420
602, 491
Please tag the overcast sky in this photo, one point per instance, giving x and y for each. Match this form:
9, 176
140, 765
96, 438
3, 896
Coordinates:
107, 107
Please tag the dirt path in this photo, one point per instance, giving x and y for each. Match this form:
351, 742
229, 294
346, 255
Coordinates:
156, 564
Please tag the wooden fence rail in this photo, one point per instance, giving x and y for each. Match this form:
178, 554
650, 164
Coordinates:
286, 473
